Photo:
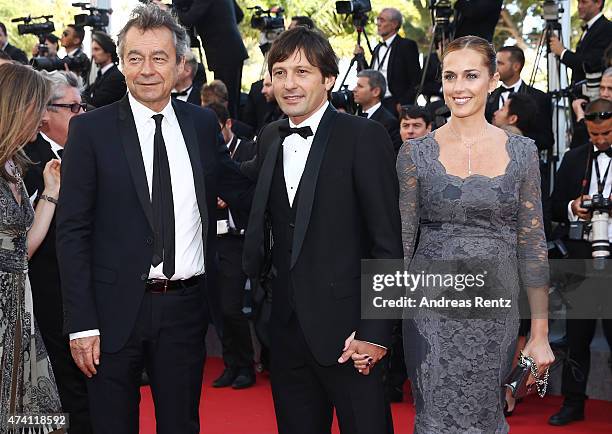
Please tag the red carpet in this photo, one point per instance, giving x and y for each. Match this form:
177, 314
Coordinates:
250, 411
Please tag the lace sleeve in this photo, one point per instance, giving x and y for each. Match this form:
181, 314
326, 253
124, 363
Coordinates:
531, 242
408, 198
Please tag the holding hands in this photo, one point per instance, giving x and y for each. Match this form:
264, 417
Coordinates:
364, 354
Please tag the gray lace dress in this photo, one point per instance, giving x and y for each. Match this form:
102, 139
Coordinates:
457, 365
27, 385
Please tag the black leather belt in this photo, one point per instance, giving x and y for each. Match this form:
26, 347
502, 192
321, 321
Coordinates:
161, 286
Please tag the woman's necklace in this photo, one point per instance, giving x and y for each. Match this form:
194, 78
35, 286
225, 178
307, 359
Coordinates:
15, 171
468, 143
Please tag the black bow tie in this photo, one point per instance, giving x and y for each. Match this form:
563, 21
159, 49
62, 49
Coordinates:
382, 43
584, 27
508, 89
608, 152
183, 93
285, 131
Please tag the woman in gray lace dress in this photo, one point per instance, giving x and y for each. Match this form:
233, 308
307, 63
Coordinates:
474, 192
27, 385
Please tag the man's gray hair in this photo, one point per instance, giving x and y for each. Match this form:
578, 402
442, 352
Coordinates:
150, 16
607, 72
192, 62
376, 80
59, 81
396, 16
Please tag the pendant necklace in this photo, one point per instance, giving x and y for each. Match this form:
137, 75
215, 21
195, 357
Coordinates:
468, 144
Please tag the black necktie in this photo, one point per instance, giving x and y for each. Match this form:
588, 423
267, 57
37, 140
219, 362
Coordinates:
608, 152
163, 204
60, 153
286, 130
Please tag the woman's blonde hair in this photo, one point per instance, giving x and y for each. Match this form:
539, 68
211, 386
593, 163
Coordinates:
24, 94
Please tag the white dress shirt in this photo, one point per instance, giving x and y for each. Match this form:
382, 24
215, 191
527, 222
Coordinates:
602, 160
296, 150
186, 96
506, 93
106, 68
372, 109
384, 57
189, 256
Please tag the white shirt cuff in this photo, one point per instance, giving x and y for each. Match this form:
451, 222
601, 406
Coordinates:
570, 214
84, 334
372, 343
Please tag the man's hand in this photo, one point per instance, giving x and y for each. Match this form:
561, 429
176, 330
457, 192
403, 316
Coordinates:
577, 209
363, 354
358, 50
578, 106
86, 354
556, 46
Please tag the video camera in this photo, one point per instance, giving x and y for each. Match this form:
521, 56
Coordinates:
38, 29
357, 8
97, 18
269, 26
552, 11
441, 13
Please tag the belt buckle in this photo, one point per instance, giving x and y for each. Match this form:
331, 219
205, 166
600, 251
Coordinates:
165, 286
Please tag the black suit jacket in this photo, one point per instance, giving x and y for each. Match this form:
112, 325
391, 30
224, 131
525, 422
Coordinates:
589, 52
215, 22
109, 88
194, 96
403, 71
16, 54
104, 217
391, 124
346, 210
544, 137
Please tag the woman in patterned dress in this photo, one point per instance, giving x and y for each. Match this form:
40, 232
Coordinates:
27, 385
474, 192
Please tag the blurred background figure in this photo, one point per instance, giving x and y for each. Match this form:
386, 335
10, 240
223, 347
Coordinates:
110, 83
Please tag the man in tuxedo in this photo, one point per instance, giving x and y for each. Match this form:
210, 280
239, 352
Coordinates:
72, 41
14, 52
397, 59
510, 63
43, 270
135, 234
328, 191
231, 280
185, 89
110, 82
579, 178
368, 93
596, 37
216, 23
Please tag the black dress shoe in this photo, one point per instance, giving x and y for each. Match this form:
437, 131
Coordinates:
566, 415
226, 379
244, 380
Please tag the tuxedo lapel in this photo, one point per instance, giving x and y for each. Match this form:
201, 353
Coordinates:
133, 154
191, 141
309, 181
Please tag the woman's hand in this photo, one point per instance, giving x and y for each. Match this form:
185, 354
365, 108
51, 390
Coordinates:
539, 350
51, 176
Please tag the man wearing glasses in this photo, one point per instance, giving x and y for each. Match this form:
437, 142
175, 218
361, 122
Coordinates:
72, 41
43, 270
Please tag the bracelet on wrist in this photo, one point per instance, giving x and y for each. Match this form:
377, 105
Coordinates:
48, 199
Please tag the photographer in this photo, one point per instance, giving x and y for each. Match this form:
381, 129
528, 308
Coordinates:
575, 184
605, 91
15, 53
110, 83
368, 93
72, 41
596, 37
51, 47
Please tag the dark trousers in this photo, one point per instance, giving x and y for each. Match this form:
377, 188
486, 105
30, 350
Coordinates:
167, 339
579, 334
68, 377
305, 392
395, 375
236, 337
231, 76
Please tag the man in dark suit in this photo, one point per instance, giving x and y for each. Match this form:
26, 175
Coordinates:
261, 107
42, 267
135, 234
596, 37
397, 59
577, 179
185, 88
510, 63
110, 82
368, 93
72, 41
328, 188
216, 23
231, 280
14, 52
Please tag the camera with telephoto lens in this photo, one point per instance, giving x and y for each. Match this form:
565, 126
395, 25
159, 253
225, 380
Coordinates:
97, 18
596, 230
43, 63
357, 8
344, 99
